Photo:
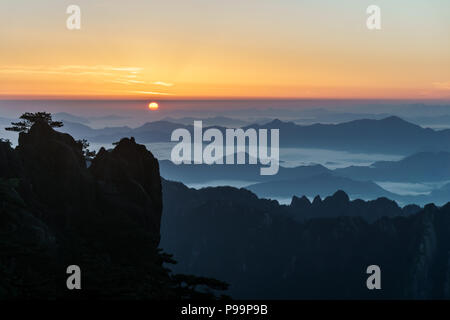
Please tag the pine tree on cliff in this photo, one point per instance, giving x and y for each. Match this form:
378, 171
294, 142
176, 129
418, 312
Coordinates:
30, 118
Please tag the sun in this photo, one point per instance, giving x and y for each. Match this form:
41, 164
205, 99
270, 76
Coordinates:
153, 106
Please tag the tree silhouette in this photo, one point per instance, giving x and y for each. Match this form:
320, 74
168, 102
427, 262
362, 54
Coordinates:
88, 154
30, 118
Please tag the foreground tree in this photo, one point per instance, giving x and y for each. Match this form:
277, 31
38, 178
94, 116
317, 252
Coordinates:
88, 154
30, 118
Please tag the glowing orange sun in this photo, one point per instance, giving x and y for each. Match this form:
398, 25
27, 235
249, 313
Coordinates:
153, 106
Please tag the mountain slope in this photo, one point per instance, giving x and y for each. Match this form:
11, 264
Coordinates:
263, 252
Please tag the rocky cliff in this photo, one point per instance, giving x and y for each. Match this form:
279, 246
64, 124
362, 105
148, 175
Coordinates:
56, 212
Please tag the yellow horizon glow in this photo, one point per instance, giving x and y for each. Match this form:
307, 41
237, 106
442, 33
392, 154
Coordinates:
256, 49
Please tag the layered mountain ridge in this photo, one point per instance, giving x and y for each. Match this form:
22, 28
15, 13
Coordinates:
55, 212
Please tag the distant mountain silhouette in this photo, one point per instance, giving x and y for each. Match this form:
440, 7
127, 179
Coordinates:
157, 131
419, 167
390, 135
202, 173
313, 180
320, 184
331, 116
64, 116
82, 131
211, 121
430, 120
438, 196
338, 117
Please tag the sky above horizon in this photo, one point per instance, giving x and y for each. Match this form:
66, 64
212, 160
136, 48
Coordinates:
225, 49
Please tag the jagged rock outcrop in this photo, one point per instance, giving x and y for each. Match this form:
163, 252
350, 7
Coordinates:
128, 179
300, 204
54, 212
339, 204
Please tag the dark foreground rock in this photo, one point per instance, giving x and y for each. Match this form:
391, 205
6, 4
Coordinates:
56, 212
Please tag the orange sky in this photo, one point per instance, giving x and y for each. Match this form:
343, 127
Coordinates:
203, 49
